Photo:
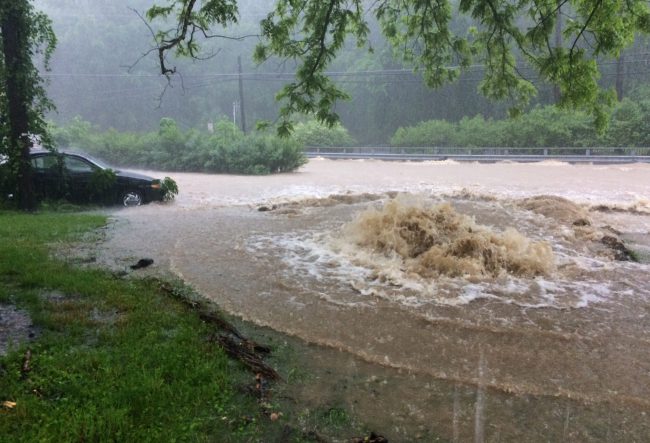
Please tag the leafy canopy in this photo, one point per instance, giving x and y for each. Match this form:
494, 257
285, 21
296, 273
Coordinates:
40, 42
513, 39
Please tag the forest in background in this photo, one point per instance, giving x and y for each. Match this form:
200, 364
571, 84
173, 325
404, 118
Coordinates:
98, 74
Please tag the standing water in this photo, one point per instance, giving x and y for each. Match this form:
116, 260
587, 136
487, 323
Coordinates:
465, 301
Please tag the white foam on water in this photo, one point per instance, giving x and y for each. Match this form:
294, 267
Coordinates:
309, 256
361, 275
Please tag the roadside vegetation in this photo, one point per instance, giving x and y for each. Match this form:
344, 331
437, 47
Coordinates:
226, 150
544, 126
311, 133
117, 359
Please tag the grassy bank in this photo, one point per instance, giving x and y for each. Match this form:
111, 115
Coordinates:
112, 359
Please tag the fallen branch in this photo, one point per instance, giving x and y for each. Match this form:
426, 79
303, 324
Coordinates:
233, 342
27, 364
242, 351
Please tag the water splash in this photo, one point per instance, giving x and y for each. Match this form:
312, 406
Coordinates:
434, 240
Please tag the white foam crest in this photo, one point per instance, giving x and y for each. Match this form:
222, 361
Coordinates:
317, 256
553, 163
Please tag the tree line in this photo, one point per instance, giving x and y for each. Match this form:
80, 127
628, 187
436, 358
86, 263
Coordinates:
384, 93
541, 127
520, 48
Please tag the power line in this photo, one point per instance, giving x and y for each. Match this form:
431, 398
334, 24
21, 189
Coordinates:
285, 75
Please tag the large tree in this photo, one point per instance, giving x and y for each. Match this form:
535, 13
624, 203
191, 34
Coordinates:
514, 40
25, 35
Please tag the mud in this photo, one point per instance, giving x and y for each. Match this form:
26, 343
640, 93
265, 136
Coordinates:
555, 349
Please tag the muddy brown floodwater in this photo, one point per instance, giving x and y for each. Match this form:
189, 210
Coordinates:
471, 302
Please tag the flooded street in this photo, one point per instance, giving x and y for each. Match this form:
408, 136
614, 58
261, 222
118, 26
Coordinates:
465, 301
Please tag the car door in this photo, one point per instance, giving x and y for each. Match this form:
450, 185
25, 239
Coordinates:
78, 173
47, 176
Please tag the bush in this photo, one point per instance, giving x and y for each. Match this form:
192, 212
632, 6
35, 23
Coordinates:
313, 133
546, 126
429, 133
476, 132
169, 188
227, 150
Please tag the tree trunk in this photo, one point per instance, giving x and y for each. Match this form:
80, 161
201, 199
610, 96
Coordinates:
15, 48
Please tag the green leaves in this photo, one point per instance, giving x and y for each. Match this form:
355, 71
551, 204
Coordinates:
310, 33
194, 22
226, 150
169, 188
520, 44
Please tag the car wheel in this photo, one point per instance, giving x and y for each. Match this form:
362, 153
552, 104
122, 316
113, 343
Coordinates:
132, 198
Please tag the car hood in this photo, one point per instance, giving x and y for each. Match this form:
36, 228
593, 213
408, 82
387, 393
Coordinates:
134, 175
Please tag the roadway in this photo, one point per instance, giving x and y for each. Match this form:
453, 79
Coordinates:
589, 155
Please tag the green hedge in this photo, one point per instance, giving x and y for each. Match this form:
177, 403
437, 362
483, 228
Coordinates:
546, 126
227, 150
315, 134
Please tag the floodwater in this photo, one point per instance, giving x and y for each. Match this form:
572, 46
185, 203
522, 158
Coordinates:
462, 301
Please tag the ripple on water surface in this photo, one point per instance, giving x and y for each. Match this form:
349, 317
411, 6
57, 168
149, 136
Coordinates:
531, 308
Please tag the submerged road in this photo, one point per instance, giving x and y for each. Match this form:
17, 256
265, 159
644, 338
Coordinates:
558, 357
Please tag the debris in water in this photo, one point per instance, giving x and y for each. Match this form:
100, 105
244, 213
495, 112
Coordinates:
251, 359
372, 438
621, 252
142, 263
641, 207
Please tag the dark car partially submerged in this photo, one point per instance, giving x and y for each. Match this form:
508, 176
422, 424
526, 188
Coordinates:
80, 178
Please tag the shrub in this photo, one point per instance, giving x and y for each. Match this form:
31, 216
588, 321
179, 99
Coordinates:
227, 150
476, 132
169, 188
546, 126
314, 133
429, 133
260, 155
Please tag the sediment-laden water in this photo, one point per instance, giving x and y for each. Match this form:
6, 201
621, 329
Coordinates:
467, 301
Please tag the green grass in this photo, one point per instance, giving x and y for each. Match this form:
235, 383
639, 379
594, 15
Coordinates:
114, 360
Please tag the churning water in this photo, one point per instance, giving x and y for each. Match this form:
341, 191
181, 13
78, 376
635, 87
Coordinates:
467, 301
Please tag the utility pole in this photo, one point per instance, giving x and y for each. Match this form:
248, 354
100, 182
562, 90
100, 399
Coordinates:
558, 44
241, 96
620, 77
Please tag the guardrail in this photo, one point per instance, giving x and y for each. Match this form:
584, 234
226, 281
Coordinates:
573, 154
